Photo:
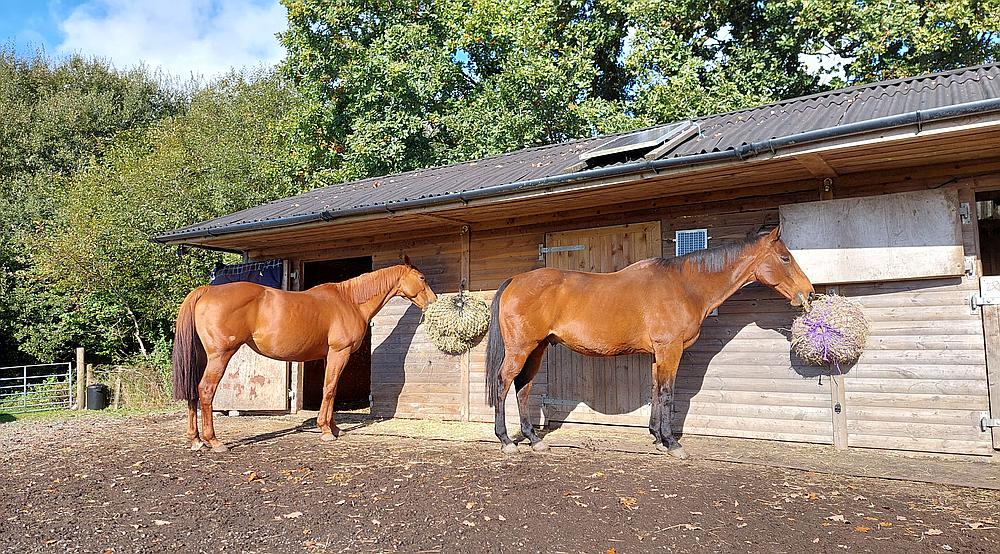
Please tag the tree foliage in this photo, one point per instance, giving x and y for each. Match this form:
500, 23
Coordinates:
83, 272
94, 161
400, 84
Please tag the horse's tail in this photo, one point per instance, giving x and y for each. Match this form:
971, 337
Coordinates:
190, 358
494, 350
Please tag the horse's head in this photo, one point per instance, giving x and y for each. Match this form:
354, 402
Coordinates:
777, 269
414, 287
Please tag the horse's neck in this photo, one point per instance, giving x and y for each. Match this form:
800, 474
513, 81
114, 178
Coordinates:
712, 288
372, 291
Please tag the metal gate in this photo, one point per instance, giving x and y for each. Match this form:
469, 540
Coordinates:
36, 388
989, 301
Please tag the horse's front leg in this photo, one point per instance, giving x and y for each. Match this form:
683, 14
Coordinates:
335, 362
668, 357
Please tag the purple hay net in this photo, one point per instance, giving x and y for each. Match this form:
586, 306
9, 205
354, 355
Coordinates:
833, 331
821, 334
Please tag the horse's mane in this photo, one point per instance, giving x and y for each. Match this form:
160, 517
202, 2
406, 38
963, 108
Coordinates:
364, 287
712, 259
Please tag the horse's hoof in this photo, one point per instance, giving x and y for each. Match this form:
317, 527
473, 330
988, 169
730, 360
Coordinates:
196, 446
677, 451
540, 446
220, 448
336, 431
509, 448
327, 437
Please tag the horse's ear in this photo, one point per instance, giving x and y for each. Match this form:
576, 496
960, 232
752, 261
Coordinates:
406, 261
775, 233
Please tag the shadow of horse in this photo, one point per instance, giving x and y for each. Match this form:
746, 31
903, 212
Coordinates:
389, 364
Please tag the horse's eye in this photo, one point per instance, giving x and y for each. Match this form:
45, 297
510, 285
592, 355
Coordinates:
785, 259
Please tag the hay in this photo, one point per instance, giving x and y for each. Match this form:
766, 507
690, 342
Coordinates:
456, 322
833, 330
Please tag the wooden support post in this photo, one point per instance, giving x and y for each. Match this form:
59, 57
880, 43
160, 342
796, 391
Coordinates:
838, 395
81, 401
90, 375
118, 390
466, 358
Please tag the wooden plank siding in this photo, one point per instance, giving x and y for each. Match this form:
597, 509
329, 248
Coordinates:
918, 386
411, 378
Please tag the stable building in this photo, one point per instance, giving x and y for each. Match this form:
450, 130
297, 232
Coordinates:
886, 193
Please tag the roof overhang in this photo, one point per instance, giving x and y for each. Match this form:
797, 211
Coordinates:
950, 134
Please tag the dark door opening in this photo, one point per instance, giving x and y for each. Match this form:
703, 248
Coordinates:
355, 382
988, 214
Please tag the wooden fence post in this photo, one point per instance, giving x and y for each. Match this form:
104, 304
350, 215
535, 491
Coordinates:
81, 402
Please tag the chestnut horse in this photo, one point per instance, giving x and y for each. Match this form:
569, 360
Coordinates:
653, 306
328, 320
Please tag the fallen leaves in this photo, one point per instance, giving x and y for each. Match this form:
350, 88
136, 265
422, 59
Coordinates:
292, 515
628, 502
933, 532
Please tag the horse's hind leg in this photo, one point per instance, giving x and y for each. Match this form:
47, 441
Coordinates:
668, 357
522, 384
217, 362
513, 363
192, 432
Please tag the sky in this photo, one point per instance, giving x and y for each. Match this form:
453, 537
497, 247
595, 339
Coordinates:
200, 38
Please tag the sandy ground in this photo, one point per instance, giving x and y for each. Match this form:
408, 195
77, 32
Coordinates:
103, 484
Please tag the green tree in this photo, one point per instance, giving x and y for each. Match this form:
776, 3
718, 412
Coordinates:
56, 116
394, 85
95, 279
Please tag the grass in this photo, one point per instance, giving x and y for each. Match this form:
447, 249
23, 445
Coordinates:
61, 415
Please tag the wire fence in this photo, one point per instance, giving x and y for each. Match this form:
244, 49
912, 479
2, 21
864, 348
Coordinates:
36, 388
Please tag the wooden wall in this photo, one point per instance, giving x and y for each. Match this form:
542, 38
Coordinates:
410, 376
920, 385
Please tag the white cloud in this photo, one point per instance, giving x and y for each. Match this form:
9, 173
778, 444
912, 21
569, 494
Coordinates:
183, 37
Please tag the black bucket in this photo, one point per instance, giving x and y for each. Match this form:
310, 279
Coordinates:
97, 397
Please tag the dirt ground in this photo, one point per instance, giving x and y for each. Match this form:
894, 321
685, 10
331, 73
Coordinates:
130, 485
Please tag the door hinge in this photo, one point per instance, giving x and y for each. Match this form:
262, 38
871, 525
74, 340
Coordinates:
965, 213
987, 423
543, 250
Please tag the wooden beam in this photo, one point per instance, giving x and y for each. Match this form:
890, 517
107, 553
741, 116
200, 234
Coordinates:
816, 165
465, 366
441, 218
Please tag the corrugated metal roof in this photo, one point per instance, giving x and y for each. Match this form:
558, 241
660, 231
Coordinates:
717, 133
841, 107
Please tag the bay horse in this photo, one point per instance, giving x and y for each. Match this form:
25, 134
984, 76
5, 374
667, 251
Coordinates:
327, 321
654, 306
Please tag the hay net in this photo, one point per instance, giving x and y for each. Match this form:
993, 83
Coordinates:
832, 331
456, 322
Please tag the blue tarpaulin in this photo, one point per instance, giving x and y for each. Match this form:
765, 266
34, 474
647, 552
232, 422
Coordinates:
267, 273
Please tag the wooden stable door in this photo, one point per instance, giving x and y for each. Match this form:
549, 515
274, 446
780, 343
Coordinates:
253, 382
599, 390
990, 297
